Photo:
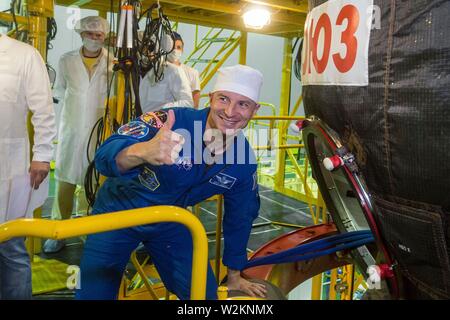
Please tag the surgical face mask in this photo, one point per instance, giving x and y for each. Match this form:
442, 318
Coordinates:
174, 56
92, 45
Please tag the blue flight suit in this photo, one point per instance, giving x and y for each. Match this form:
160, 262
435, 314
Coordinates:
183, 184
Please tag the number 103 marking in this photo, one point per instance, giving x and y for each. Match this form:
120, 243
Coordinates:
336, 39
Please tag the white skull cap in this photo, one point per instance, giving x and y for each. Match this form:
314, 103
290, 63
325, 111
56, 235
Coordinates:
92, 23
240, 79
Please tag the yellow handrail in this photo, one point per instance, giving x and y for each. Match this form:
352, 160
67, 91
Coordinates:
278, 118
285, 146
8, 17
270, 105
122, 219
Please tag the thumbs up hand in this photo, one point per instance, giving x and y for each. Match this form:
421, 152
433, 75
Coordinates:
165, 146
163, 149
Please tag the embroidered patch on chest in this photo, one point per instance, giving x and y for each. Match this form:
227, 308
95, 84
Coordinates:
184, 163
148, 179
155, 119
223, 180
135, 129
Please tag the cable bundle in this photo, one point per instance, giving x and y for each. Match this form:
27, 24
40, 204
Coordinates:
17, 7
135, 54
152, 45
298, 58
315, 249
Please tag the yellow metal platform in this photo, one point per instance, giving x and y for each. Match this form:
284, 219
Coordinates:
287, 17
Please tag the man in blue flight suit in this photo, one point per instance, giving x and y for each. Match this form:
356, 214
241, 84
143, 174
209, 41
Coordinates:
180, 157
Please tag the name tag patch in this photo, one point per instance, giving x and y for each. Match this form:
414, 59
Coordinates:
148, 179
185, 163
223, 180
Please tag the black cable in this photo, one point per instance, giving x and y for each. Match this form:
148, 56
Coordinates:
92, 177
298, 61
52, 30
19, 35
295, 44
98, 124
13, 13
91, 185
150, 52
147, 54
52, 75
109, 81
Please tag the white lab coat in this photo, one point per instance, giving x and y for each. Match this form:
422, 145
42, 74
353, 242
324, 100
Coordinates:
82, 103
192, 76
172, 91
24, 86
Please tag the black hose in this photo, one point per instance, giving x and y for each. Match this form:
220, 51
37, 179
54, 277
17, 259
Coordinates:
147, 55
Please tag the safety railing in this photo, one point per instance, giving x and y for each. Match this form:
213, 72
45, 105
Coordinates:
281, 123
118, 220
309, 195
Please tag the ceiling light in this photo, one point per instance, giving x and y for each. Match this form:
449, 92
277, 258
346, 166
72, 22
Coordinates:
256, 18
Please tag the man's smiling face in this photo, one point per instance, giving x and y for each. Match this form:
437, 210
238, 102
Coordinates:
230, 111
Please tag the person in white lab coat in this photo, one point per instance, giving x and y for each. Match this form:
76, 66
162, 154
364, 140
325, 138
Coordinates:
191, 73
24, 87
172, 91
81, 86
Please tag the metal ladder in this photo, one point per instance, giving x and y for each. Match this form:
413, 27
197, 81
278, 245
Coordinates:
213, 36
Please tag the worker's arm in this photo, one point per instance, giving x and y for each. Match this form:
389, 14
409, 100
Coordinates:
180, 89
138, 143
196, 89
241, 208
39, 100
196, 98
163, 148
60, 85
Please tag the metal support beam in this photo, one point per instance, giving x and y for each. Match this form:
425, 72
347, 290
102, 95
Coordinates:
316, 289
291, 25
80, 3
38, 10
237, 9
38, 35
218, 237
243, 48
296, 6
7, 17
284, 111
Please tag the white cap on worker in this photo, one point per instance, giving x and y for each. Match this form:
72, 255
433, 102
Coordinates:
92, 23
240, 79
